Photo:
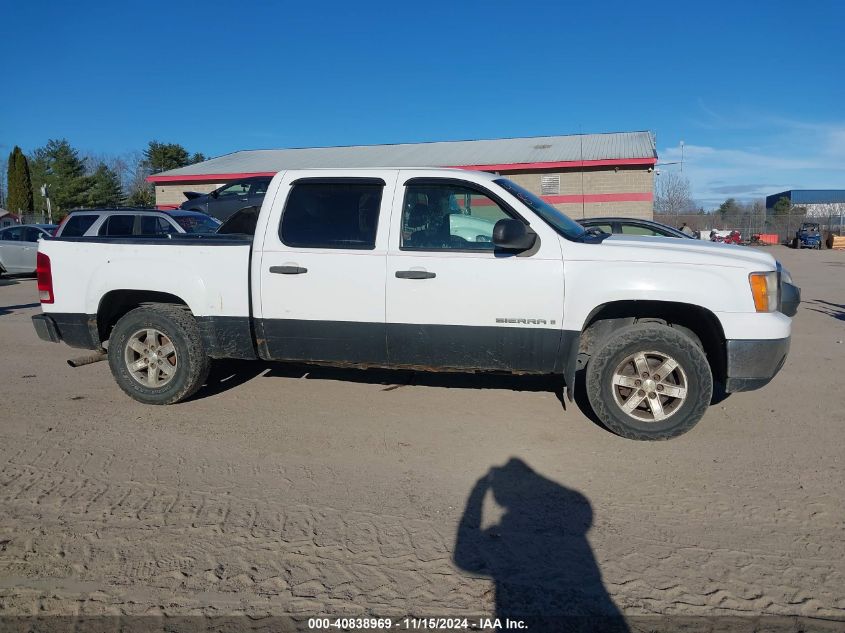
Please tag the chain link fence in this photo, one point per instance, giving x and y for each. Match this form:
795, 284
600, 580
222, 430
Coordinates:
750, 224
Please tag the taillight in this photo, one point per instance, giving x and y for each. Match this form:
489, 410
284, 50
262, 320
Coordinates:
45, 278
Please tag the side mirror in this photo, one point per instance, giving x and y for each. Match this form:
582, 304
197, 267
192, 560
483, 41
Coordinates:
513, 235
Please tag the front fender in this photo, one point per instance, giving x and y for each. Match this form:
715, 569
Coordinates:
590, 284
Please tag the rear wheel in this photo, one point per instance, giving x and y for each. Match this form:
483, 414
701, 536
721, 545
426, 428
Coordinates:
649, 382
156, 354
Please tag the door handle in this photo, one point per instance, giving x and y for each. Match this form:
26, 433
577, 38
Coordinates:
415, 274
288, 270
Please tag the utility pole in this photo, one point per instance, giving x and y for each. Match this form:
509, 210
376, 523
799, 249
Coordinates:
682, 157
45, 193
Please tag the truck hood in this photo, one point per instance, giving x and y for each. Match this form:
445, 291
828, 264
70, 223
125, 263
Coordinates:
672, 250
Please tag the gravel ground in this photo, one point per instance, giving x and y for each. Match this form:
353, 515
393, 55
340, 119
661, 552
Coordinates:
290, 490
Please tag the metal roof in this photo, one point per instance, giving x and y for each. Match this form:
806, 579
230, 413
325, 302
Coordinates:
619, 146
808, 196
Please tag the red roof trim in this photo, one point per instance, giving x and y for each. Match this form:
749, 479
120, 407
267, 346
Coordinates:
566, 164
600, 197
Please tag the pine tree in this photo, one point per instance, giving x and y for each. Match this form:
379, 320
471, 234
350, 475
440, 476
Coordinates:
19, 198
59, 166
104, 189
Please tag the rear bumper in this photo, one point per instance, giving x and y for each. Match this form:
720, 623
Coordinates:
77, 330
46, 328
752, 364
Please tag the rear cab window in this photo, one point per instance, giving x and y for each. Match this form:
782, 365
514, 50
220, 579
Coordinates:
332, 213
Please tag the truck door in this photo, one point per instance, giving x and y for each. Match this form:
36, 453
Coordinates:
453, 299
322, 269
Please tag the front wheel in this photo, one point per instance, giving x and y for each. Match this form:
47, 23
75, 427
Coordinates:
156, 354
649, 382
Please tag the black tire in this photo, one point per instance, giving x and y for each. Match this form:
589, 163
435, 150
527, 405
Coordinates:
648, 338
192, 364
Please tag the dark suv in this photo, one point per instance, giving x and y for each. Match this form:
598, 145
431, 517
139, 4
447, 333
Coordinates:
231, 197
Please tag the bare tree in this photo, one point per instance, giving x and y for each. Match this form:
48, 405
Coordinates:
673, 195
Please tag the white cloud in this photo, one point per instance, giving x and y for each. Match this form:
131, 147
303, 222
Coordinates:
762, 156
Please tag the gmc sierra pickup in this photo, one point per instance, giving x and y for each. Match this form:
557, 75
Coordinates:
430, 269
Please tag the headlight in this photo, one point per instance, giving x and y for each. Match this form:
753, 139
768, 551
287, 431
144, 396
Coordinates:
765, 290
784, 274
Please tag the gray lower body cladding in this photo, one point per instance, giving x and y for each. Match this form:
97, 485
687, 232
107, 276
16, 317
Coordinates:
442, 347
76, 330
751, 364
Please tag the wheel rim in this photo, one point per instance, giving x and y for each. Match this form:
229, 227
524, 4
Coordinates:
649, 386
150, 358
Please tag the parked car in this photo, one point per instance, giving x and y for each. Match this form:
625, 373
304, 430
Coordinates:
18, 246
231, 197
361, 268
134, 222
633, 226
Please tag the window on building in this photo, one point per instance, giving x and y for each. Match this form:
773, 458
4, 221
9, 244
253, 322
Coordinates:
438, 217
331, 215
550, 185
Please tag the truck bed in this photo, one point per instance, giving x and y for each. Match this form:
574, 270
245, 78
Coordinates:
210, 273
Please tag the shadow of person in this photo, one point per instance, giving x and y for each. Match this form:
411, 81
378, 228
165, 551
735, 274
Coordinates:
537, 554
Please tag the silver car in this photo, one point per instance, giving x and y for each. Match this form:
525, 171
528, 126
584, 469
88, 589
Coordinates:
19, 246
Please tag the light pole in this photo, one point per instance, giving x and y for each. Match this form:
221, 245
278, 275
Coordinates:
45, 193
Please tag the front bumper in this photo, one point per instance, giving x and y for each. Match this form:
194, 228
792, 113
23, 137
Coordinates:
752, 364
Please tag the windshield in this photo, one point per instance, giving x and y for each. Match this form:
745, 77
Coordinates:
564, 225
197, 223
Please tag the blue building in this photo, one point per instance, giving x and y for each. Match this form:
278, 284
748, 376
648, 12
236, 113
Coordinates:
812, 199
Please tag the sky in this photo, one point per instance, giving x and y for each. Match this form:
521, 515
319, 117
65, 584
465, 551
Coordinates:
755, 90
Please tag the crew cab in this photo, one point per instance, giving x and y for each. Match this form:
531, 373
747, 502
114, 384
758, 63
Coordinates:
435, 270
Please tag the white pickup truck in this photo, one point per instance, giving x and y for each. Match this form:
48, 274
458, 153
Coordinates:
430, 269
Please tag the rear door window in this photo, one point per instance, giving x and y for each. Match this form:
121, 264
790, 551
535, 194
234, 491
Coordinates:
332, 214
13, 235
602, 227
155, 225
118, 226
32, 234
76, 225
259, 188
638, 229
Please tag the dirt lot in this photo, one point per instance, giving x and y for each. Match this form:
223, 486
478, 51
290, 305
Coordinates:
290, 490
